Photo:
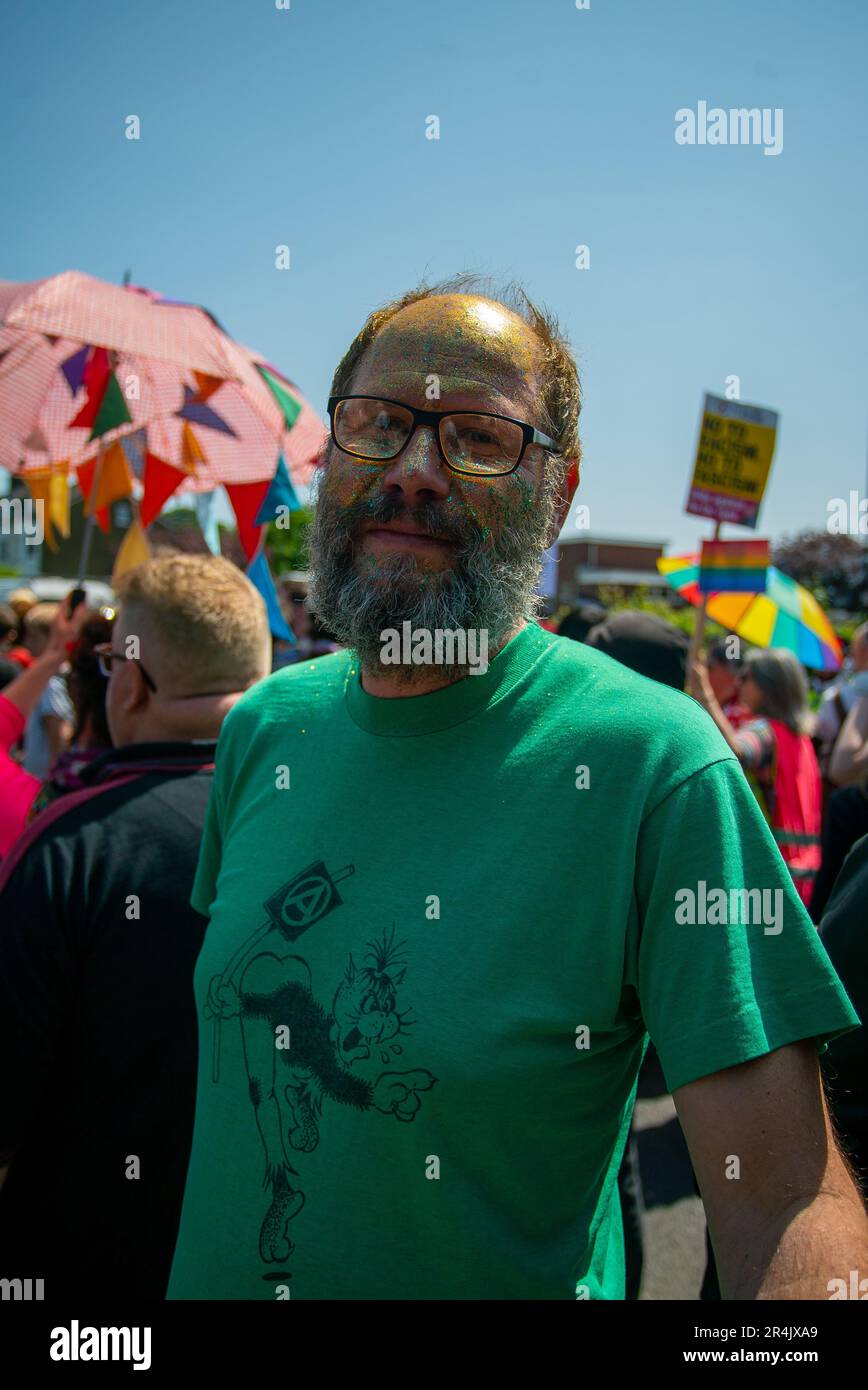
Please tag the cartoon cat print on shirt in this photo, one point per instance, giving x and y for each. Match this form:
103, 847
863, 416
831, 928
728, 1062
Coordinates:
268, 986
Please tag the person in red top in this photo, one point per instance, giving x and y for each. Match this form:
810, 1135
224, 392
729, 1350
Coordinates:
775, 750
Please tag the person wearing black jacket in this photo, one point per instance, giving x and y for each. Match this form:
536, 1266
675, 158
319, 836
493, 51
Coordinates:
845, 1062
98, 942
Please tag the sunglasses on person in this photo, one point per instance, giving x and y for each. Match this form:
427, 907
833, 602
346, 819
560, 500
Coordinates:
105, 656
474, 443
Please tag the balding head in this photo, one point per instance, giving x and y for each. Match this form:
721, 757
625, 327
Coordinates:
446, 529
447, 321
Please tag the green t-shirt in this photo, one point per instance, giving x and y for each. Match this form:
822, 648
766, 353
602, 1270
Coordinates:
441, 928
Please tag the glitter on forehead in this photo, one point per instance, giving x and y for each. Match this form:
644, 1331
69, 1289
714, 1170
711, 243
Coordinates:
461, 337
489, 315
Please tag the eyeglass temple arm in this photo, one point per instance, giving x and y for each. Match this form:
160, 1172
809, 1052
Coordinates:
544, 440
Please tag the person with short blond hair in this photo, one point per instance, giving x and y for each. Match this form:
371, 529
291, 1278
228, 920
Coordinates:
193, 614
98, 941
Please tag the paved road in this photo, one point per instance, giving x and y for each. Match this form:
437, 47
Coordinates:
674, 1224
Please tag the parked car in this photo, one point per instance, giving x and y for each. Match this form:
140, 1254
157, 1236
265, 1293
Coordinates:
50, 588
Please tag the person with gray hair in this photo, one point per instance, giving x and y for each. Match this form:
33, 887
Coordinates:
775, 749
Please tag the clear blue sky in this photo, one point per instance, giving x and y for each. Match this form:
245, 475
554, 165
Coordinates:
307, 127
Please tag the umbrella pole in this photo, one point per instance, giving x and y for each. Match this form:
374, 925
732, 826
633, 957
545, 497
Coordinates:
698, 628
88, 526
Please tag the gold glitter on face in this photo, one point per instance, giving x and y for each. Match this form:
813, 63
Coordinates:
482, 354
479, 356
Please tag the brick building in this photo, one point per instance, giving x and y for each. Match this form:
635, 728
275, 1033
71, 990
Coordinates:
588, 562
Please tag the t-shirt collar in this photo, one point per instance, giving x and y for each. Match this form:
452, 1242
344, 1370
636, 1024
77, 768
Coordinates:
407, 717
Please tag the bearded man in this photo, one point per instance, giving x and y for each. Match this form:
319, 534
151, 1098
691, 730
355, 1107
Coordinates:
445, 902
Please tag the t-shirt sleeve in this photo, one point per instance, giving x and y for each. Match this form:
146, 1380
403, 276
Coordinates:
55, 700
208, 866
729, 965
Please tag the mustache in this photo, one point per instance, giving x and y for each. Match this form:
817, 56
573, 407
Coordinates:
428, 516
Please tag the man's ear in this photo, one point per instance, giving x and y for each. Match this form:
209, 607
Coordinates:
566, 491
135, 694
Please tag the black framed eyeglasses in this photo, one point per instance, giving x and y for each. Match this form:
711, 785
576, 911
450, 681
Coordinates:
475, 443
105, 656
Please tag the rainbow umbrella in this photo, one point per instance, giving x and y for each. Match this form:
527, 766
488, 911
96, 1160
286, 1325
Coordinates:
786, 615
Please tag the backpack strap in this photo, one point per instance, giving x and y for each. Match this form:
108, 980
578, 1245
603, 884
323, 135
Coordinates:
52, 813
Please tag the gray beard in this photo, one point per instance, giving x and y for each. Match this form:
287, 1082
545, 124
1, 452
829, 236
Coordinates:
489, 586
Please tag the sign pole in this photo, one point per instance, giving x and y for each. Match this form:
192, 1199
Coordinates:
698, 627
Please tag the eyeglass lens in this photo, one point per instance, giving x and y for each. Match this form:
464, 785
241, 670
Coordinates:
472, 442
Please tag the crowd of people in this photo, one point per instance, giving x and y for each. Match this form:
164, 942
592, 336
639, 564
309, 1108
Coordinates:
207, 1094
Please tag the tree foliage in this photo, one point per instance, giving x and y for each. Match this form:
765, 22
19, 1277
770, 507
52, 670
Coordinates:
287, 546
833, 567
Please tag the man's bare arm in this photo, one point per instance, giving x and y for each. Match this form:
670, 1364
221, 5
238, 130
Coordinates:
793, 1218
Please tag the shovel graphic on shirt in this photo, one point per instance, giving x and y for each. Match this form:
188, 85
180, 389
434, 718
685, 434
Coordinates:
306, 899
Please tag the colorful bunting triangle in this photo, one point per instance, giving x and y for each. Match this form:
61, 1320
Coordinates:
89, 411
280, 493
85, 473
134, 550
289, 405
51, 488
260, 576
246, 499
161, 480
114, 479
191, 450
73, 369
200, 414
113, 409
135, 446
207, 385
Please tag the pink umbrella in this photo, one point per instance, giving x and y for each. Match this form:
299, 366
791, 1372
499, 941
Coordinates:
84, 363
